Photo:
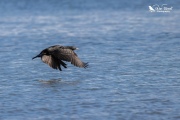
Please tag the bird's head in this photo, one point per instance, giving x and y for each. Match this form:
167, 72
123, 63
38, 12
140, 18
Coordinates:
44, 52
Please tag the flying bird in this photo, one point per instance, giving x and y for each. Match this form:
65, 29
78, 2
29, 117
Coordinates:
55, 56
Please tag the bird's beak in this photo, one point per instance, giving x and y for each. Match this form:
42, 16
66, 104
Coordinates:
36, 56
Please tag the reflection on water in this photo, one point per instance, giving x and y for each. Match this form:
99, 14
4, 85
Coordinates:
59, 81
51, 81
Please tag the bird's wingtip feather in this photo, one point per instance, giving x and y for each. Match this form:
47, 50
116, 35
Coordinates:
86, 65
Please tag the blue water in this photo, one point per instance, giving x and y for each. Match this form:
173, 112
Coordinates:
133, 55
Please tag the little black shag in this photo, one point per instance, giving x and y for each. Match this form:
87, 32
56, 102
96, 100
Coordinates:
55, 56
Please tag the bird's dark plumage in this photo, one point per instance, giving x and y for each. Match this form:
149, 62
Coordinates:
55, 55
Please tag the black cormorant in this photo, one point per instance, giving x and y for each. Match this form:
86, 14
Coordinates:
55, 55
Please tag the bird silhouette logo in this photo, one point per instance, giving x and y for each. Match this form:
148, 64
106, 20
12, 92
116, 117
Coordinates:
151, 9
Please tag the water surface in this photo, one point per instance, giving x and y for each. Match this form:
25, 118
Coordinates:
133, 55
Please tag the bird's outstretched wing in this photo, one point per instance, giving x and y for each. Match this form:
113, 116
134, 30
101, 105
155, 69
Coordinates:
50, 61
66, 54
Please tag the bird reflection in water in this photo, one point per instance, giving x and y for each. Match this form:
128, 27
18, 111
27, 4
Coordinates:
51, 81
59, 81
